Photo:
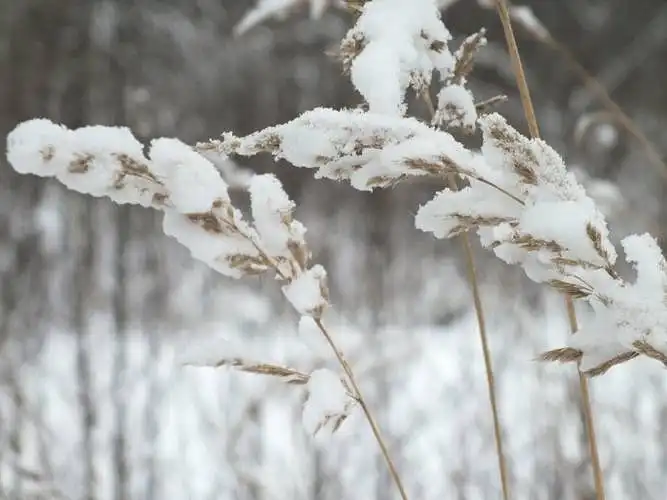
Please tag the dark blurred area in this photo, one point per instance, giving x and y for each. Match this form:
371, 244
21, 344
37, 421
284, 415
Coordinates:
173, 68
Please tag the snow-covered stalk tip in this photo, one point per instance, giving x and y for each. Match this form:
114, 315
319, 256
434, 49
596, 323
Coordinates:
186, 187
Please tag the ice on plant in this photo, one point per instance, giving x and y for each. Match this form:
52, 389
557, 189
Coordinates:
644, 253
95, 160
368, 149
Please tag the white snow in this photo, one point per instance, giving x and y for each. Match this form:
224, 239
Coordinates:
456, 108
308, 292
400, 48
272, 215
193, 182
327, 401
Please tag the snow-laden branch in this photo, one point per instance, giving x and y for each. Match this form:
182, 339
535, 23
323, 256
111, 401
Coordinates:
519, 198
370, 150
518, 195
186, 187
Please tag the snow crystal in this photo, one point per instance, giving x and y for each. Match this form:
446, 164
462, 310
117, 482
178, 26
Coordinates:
564, 223
447, 210
369, 149
95, 164
643, 251
96, 160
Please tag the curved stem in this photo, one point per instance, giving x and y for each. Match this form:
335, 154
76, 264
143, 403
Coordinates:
529, 110
347, 369
362, 402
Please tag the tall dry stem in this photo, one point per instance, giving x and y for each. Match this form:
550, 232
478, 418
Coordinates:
358, 395
488, 364
393, 471
481, 325
529, 110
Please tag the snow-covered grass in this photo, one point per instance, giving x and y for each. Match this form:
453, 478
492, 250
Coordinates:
515, 193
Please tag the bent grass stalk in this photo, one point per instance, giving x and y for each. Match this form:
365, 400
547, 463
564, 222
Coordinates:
529, 111
358, 396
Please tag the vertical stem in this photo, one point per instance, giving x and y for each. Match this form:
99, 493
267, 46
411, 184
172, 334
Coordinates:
347, 369
486, 351
488, 364
588, 412
529, 110
362, 402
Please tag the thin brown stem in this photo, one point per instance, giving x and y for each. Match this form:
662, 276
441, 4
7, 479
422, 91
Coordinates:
481, 324
364, 406
486, 352
347, 369
529, 110
588, 412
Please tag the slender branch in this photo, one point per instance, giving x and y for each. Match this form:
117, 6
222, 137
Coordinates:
362, 402
529, 110
488, 364
481, 324
347, 369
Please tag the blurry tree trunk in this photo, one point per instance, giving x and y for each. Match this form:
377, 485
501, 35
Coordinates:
74, 109
121, 61
82, 286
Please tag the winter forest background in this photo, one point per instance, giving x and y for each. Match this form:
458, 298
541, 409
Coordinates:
97, 305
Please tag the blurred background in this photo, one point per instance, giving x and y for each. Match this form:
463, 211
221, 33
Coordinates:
96, 304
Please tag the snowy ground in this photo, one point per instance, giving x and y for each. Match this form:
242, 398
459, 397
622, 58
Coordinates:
211, 433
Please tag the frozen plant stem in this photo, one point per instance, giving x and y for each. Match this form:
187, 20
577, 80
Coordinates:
353, 382
529, 111
486, 352
481, 324
362, 402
